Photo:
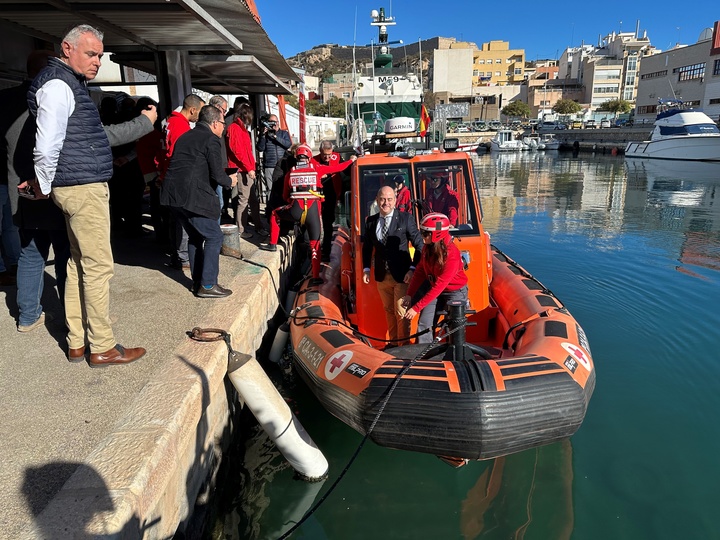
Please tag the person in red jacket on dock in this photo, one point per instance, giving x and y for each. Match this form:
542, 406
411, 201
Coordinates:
439, 278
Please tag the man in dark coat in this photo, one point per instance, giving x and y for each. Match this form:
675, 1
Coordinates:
189, 189
387, 234
272, 142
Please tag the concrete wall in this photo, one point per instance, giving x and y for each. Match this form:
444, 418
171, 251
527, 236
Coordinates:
144, 478
452, 71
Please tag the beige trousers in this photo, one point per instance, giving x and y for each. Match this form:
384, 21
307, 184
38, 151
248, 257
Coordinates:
87, 291
391, 295
247, 201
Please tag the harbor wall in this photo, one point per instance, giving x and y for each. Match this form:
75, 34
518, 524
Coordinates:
586, 139
148, 475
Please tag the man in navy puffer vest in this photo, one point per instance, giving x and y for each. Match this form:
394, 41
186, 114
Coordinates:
73, 164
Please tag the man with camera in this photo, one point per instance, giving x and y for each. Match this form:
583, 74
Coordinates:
272, 142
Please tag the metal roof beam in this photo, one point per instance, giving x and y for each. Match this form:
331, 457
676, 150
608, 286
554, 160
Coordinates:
124, 49
210, 22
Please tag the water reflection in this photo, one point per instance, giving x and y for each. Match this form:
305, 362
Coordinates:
607, 196
523, 494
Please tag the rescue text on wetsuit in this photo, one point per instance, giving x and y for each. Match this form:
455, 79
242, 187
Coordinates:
303, 184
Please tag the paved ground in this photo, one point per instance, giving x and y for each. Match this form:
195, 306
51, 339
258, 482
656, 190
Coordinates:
54, 412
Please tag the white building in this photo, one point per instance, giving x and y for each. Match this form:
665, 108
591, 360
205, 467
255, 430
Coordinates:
608, 71
690, 73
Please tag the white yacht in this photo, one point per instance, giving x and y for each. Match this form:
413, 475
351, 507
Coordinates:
679, 133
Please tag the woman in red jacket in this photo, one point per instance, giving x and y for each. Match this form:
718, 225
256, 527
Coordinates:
241, 154
439, 277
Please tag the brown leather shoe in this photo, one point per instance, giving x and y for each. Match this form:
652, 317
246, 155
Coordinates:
116, 356
76, 355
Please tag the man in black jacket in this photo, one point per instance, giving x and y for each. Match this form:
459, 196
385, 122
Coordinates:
196, 169
388, 233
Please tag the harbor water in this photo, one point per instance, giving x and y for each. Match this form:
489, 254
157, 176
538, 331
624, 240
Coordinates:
632, 247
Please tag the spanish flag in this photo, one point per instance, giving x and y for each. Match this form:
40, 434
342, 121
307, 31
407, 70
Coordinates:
424, 121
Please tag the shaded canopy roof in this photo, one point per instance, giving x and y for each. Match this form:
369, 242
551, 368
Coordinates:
228, 51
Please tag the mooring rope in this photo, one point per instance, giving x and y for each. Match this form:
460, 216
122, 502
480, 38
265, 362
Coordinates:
383, 404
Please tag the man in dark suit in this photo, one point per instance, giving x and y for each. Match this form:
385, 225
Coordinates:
196, 169
388, 233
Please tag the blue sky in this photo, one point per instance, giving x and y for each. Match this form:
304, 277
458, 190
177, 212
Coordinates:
543, 29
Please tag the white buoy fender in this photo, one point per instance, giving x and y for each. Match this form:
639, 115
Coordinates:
278, 344
275, 417
290, 300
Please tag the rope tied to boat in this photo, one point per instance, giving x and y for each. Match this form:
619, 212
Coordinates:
381, 409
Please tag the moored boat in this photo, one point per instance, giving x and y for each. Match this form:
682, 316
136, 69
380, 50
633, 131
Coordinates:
513, 371
679, 133
383, 92
549, 141
505, 141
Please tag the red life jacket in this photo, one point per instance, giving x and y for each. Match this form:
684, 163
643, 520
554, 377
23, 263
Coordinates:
304, 183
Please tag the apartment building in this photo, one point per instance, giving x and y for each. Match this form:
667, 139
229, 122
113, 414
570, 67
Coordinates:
495, 63
690, 73
339, 85
609, 70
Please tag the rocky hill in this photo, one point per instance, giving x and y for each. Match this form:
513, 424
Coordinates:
325, 60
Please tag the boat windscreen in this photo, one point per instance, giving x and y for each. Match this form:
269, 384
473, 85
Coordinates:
692, 129
446, 187
371, 180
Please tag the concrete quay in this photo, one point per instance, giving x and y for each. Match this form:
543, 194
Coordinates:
124, 451
603, 140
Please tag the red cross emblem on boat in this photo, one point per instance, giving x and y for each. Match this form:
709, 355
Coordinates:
578, 354
336, 363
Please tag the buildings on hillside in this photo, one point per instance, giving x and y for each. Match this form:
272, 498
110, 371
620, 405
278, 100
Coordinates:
609, 70
469, 83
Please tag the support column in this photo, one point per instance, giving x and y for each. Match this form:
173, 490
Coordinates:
173, 79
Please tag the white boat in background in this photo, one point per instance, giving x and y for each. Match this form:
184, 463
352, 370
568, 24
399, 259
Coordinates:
505, 141
383, 92
550, 142
679, 133
470, 147
533, 142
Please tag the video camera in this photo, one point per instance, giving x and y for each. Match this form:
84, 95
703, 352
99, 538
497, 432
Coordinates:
265, 121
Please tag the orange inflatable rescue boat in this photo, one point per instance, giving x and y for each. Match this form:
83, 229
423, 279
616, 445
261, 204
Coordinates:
514, 370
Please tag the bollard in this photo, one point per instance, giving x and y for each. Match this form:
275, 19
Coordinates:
231, 241
275, 417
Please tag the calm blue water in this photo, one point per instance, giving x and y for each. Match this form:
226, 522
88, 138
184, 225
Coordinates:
633, 249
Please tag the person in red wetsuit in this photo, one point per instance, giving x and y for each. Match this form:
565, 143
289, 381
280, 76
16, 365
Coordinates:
402, 194
439, 277
332, 189
302, 192
440, 198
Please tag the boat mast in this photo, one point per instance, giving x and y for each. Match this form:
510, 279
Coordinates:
384, 57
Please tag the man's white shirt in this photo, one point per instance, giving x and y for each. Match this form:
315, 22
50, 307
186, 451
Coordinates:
55, 103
